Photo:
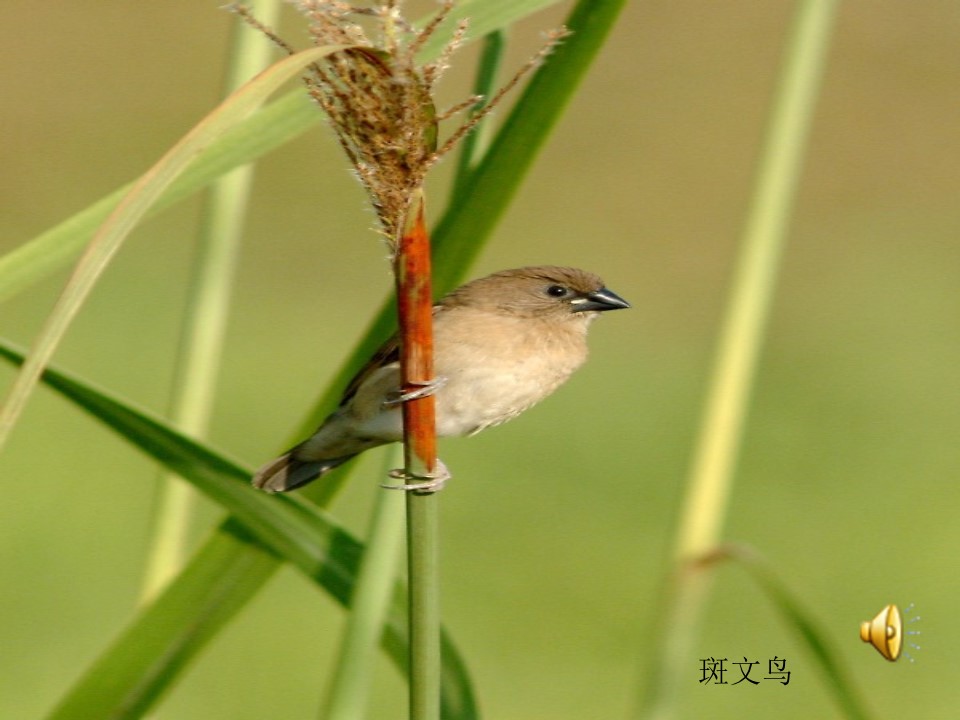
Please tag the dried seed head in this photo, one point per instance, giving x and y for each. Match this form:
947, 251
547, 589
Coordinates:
378, 99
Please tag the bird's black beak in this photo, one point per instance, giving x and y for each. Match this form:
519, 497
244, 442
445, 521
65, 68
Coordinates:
599, 300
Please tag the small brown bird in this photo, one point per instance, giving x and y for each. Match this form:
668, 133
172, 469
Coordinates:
501, 344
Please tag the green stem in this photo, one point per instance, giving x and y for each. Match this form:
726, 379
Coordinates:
369, 605
755, 281
205, 317
710, 482
474, 145
424, 599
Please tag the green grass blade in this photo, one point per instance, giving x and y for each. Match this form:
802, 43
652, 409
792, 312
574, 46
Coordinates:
204, 320
269, 529
474, 146
54, 249
349, 692
710, 481
752, 292
484, 17
294, 530
475, 210
145, 192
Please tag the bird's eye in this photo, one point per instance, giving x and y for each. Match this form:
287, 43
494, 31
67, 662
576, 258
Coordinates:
557, 291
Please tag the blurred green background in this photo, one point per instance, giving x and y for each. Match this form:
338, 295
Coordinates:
556, 526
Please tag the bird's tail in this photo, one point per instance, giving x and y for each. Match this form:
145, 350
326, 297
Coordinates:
288, 472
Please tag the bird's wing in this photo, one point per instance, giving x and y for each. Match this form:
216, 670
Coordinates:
387, 354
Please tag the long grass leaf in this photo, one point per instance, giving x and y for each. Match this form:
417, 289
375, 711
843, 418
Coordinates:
204, 320
283, 527
752, 291
277, 123
145, 192
289, 527
710, 481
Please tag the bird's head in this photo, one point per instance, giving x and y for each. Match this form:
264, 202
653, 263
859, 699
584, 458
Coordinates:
542, 291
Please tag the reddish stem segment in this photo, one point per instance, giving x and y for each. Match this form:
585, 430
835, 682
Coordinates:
415, 309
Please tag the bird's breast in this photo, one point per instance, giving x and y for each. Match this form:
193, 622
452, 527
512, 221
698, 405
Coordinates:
496, 370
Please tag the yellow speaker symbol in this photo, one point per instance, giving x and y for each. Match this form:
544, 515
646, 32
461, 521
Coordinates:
884, 632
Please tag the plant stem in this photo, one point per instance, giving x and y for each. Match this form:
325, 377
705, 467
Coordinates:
475, 144
415, 314
753, 287
369, 604
424, 589
710, 482
205, 317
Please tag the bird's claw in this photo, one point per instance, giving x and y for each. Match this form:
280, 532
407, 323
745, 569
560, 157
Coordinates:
426, 484
421, 389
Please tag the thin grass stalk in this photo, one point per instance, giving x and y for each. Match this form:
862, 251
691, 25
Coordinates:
348, 696
424, 605
205, 317
476, 143
755, 282
710, 483
415, 316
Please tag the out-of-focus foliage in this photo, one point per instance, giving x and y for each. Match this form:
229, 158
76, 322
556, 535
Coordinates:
555, 525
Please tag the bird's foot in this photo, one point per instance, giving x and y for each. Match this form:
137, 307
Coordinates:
425, 485
420, 389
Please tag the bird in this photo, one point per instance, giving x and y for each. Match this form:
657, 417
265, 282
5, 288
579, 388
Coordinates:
502, 343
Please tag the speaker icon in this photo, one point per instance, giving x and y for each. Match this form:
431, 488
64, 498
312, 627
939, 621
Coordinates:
885, 632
